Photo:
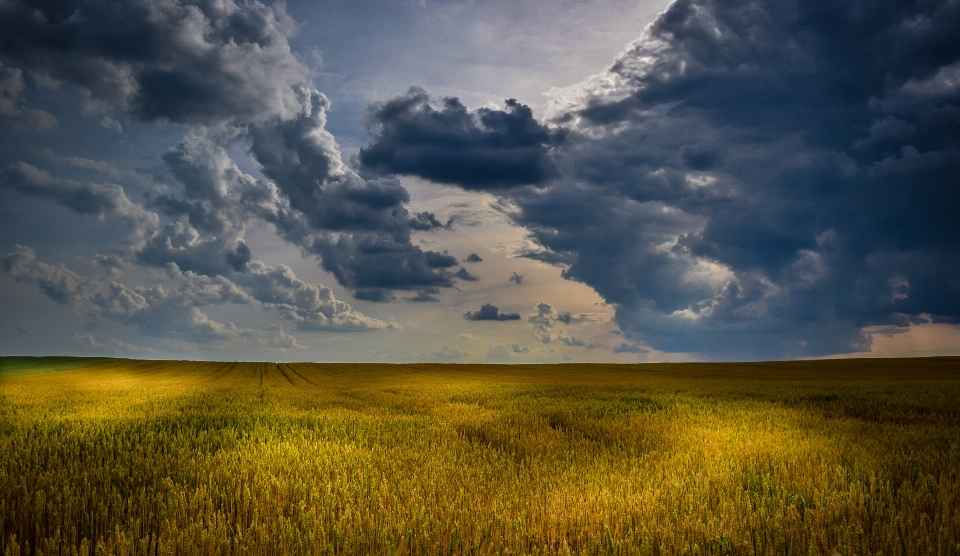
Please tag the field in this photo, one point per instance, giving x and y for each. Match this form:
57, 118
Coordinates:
180, 457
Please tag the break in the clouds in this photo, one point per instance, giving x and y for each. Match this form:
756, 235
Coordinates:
758, 179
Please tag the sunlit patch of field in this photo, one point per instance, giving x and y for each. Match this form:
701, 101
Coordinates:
181, 457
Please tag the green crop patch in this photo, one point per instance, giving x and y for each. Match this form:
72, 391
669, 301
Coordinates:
20, 365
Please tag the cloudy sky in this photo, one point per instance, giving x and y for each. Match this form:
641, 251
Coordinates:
465, 180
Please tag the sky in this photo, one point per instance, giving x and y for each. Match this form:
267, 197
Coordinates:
506, 181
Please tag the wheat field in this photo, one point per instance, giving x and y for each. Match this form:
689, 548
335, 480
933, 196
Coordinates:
181, 457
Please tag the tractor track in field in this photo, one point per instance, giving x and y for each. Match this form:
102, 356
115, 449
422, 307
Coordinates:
302, 377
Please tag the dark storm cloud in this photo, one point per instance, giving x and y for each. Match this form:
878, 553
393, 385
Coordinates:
358, 227
748, 180
489, 311
777, 159
488, 149
473, 258
372, 263
189, 62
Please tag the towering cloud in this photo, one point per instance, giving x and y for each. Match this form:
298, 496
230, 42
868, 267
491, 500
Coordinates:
758, 179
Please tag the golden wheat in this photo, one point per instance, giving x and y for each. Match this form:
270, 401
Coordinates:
167, 457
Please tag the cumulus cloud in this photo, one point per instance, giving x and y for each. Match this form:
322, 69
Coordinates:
156, 311
14, 109
749, 181
309, 306
472, 258
224, 69
57, 282
358, 227
273, 338
204, 229
488, 311
186, 62
225, 72
546, 328
486, 149
746, 181
175, 310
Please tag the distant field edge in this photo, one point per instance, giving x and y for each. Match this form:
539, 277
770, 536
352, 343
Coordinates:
22, 364
915, 368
